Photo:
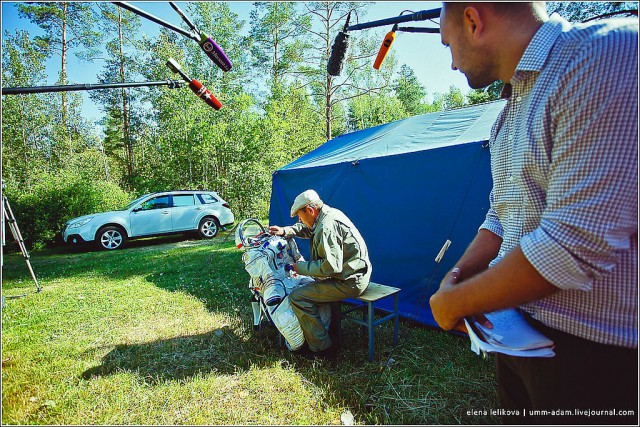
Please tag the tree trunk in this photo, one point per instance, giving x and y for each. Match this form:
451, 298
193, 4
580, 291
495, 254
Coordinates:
104, 161
63, 75
327, 103
276, 74
327, 109
126, 126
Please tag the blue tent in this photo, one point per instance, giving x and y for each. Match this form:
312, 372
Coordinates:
409, 186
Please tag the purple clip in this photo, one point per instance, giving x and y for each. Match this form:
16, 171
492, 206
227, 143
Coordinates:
215, 53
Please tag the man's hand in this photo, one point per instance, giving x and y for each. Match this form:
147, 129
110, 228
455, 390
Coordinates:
276, 231
441, 309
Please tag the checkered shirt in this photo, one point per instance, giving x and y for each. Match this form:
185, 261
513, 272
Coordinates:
564, 164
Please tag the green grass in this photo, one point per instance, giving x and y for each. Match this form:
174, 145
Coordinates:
161, 333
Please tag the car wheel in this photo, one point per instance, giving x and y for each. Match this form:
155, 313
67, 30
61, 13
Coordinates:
110, 238
208, 228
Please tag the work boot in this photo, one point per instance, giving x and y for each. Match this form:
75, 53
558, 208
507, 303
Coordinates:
303, 351
334, 333
329, 353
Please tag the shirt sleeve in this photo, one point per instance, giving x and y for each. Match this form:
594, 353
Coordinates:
592, 199
330, 256
297, 230
492, 222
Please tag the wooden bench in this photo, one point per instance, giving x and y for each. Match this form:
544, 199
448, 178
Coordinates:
374, 292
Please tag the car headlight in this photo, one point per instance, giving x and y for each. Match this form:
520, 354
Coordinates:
80, 223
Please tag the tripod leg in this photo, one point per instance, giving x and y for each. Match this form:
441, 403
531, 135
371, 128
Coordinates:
13, 225
33, 275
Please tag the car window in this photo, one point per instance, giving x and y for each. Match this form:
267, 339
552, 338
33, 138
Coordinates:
207, 198
159, 202
183, 200
135, 202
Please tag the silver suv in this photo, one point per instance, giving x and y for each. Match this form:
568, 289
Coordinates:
153, 214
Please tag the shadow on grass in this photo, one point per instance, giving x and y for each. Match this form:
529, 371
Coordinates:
220, 351
134, 244
177, 358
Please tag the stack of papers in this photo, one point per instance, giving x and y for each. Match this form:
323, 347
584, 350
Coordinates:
511, 334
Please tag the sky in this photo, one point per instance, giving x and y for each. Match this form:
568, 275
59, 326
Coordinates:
423, 52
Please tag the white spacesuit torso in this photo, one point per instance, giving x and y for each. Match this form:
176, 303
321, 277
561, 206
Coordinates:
265, 257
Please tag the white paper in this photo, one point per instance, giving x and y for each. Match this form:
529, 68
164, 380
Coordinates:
511, 334
511, 330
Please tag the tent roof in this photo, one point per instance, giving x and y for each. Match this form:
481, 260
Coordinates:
417, 133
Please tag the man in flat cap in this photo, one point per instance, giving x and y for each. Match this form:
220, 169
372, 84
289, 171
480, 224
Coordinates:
339, 263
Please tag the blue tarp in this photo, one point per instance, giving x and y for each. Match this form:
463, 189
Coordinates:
409, 186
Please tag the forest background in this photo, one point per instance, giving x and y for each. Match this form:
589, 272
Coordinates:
278, 104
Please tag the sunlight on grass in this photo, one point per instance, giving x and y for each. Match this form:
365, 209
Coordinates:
162, 334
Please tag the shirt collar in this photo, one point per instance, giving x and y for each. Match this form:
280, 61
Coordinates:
323, 212
537, 52
535, 56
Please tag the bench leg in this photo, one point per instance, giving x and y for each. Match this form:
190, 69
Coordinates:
370, 327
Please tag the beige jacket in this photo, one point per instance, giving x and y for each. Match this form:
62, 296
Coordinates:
337, 248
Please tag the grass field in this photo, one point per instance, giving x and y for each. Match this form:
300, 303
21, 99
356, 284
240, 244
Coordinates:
161, 333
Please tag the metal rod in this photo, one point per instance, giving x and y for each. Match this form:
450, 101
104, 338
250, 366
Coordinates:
419, 30
184, 18
65, 88
175, 67
155, 19
422, 15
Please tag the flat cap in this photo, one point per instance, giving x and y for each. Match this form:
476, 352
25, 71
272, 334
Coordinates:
303, 199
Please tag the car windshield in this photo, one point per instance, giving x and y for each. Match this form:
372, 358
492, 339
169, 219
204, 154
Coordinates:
130, 205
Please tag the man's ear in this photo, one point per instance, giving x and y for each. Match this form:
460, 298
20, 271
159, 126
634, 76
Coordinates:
473, 22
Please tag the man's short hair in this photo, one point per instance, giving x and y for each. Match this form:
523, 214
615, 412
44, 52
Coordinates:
505, 9
316, 205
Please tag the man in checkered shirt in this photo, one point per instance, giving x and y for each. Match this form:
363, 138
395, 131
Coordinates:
560, 239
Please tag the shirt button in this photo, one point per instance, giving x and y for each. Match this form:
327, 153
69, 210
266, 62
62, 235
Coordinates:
510, 138
519, 98
510, 178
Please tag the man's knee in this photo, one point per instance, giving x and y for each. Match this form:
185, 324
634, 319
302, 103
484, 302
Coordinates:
296, 296
294, 300
300, 300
